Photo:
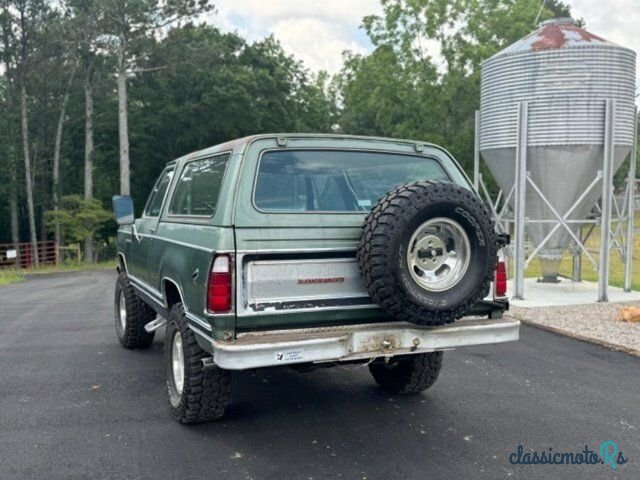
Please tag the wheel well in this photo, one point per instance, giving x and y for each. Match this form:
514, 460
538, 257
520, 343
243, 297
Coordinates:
122, 263
171, 293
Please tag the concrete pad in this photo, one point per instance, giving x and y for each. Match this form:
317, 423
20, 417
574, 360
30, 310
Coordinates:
537, 294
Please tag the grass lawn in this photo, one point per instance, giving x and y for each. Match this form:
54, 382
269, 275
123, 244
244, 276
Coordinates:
616, 266
11, 276
8, 276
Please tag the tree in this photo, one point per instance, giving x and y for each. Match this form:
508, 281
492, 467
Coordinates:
383, 97
133, 25
65, 73
55, 187
189, 87
79, 218
8, 57
30, 16
423, 78
205, 87
559, 9
87, 16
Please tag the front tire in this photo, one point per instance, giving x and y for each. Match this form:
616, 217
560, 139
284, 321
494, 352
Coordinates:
407, 374
131, 315
196, 394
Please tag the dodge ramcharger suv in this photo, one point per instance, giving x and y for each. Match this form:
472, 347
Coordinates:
304, 251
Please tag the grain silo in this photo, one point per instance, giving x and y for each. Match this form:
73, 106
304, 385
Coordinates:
565, 75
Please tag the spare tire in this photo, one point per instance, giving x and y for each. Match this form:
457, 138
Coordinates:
428, 252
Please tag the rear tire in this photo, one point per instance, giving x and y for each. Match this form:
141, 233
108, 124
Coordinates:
196, 394
408, 374
131, 315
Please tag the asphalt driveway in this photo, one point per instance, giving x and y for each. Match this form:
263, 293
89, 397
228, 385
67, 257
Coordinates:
75, 405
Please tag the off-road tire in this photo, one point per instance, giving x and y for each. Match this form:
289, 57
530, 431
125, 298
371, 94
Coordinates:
138, 315
205, 394
382, 251
407, 374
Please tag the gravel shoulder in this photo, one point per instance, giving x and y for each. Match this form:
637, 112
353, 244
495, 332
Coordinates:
594, 322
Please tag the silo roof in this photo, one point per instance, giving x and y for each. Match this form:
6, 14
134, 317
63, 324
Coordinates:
556, 34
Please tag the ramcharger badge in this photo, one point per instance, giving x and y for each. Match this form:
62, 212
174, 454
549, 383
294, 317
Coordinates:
307, 281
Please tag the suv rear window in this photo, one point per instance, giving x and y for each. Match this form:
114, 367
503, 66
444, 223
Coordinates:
199, 186
334, 180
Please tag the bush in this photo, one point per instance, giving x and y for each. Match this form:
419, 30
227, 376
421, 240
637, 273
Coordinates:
79, 218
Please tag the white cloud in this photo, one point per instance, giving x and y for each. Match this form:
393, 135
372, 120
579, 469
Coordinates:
318, 31
318, 44
315, 31
614, 20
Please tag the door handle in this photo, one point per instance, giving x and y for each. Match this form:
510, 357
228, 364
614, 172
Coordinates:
152, 231
134, 232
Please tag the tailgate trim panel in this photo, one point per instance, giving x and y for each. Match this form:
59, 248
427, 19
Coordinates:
282, 282
295, 280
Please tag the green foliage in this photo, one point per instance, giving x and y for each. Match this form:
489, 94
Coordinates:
190, 87
13, 275
79, 218
206, 87
423, 78
9, 276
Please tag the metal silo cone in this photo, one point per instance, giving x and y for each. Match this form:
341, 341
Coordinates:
563, 174
565, 74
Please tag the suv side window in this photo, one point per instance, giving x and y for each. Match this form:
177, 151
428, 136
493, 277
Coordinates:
154, 204
196, 193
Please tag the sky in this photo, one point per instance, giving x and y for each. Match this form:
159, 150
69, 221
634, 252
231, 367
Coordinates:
318, 31
314, 31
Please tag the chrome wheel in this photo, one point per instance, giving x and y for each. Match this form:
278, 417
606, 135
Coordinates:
122, 311
177, 362
438, 254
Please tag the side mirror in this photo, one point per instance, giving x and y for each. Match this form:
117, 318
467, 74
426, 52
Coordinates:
123, 209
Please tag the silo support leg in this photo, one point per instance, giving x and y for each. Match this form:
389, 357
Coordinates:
607, 191
520, 195
476, 154
576, 271
631, 201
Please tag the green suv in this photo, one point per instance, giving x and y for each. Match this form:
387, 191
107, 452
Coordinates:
308, 250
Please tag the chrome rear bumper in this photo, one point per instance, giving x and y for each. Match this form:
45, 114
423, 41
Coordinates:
355, 342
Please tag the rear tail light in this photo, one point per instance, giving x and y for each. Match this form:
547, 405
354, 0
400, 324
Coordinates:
500, 280
219, 290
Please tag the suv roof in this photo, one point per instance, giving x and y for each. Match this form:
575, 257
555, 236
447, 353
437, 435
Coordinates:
245, 141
